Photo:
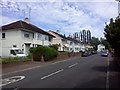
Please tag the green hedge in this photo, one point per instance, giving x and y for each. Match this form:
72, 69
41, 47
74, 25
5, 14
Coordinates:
14, 59
55, 46
47, 52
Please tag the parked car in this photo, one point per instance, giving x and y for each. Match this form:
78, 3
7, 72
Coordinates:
89, 53
94, 52
104, 53
84, 54
16, 52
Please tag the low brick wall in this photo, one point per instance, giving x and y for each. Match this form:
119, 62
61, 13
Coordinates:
67, 55
60, 57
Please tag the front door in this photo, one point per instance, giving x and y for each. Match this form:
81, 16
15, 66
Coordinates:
27, 47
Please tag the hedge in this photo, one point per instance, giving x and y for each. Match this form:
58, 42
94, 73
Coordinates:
47, 52
14, 59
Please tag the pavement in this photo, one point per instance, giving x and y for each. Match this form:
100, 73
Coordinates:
114, 73
78, 72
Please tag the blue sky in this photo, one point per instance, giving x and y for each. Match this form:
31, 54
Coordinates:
67, 16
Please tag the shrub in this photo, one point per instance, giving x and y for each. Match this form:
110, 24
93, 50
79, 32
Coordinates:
31, 50
55, 46
47, 52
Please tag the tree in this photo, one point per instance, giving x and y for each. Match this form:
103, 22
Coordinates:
95, 41
105, 43
112, 34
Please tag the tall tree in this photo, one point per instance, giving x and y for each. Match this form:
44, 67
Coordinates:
105, 43
95, 41
112, 34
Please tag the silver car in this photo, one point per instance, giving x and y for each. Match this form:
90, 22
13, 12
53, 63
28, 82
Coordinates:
104, 53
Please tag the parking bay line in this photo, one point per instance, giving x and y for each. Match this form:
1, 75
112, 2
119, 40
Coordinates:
52, 74
72, 65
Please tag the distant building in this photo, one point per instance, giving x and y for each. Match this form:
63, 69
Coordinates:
100, 47
66, 43
83, 36
88, 36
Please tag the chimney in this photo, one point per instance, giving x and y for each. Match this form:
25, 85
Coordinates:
58, 31
26, 20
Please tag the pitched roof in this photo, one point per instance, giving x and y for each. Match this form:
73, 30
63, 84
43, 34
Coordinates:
59, 35
23, 25
72, 39
68, 38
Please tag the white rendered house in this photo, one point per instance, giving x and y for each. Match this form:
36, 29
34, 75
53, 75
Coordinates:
22, 35
65, 43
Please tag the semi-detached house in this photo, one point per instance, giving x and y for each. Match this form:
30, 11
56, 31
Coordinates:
23, 35
66, 43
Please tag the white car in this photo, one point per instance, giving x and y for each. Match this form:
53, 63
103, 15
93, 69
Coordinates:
16, 52
104, 53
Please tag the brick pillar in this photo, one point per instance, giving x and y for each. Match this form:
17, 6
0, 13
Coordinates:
42, 59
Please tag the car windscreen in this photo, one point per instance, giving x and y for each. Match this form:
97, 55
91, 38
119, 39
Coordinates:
18, 51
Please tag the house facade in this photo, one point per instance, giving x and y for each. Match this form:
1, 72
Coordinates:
22, 35
66, 43
101, 47
60, 40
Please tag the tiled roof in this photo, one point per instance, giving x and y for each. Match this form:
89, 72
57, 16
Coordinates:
23, 25
72, 39
60, 35
68, 38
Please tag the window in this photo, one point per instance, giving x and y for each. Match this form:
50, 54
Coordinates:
12, 52
50, 39
26, 35
14, 45
70, 43
39, 36
3, 35
46, 38
33, 35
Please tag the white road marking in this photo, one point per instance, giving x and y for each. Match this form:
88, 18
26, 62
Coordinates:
63, 60
57, 62
73, 65
60, 61
52, 74
9, 80
21, 70
16, 89
107, 77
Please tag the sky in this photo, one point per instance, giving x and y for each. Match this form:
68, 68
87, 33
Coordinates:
67, 16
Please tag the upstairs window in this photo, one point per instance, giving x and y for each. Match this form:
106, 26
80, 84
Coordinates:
46, 38
39, 36
14, 45
3, 35
50, 39
26, 35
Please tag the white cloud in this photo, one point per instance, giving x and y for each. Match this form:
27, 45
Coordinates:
71, 16
6, 20
105, 10
60, 0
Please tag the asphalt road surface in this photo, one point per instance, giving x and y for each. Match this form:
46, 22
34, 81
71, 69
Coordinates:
81, 72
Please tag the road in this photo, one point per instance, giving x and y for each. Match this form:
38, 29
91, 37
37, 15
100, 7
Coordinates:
80, 72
